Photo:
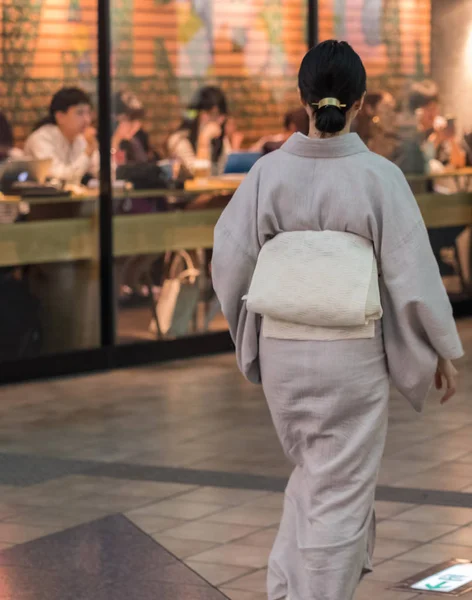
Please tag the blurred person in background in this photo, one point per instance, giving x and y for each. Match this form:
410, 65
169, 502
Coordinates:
129, 136
206, 134
7, 144
449, 152
66, 136
379, 127
8, 212
424, 104
376, 123
294, 120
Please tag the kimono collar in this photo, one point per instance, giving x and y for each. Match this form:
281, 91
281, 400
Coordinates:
334, 147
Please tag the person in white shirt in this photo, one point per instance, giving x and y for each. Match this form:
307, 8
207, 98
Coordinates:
67, 137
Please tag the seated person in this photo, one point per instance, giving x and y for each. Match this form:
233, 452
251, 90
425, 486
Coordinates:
376, 123
424, 104
9, 213
414, 151
379, 127
7, 146
207, 134
448, 150
294, 120
129, 137
67, 137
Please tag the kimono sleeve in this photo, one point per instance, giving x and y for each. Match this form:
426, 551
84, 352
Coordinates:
418, 321
235, 251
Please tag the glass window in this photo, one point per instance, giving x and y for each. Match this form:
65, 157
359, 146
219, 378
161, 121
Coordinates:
194, 83
49, 152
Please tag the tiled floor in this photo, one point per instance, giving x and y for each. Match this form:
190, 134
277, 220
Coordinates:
176, 452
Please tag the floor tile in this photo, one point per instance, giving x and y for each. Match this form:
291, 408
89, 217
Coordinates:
385, 510
461, 537
436, 553
182, 548
11, 533
416, 532
111, 503
235, 554
447, 515
264, 538
180, 509
154, 590
242, 595
395, 571
373, 590
255, 582
18, 583
210, 532
66, 516
432, 480
89, 561
217, 574
269, 501
110, 547
393, 469
388, 548
248, 515
11, 510
151, 489
433, 453
223, 496
456, 468
153, 524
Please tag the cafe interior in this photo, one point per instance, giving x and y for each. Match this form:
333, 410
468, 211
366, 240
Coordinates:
127, 125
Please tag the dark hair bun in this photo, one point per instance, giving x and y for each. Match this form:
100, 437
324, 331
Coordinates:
331, 70
330, 119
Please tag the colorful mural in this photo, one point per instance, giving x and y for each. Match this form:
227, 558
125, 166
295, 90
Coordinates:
164, 49
392, 36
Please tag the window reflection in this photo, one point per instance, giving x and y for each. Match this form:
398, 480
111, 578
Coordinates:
226, 77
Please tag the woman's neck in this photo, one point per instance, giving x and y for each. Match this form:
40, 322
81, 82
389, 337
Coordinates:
314, 133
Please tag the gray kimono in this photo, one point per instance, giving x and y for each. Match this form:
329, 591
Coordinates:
329, 400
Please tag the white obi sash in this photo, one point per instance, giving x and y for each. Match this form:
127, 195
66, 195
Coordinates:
316, 285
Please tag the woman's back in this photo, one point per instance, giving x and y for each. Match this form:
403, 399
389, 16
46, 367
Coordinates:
335, 184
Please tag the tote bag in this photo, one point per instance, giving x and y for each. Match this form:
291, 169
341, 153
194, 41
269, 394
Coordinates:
178, 300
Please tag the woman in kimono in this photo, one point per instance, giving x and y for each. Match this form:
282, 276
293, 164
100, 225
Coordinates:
329, 399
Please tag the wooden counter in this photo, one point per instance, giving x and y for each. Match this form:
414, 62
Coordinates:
74, 239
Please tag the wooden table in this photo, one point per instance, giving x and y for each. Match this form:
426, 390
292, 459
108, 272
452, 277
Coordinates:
72, 239
66, 249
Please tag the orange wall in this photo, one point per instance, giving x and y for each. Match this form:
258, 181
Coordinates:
404, 41
258, 46
161, 53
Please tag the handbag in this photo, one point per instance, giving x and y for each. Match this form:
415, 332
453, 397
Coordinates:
178, 300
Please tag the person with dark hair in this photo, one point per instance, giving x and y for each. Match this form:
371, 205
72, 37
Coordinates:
294, 120
8, 212
6, 138
129, 136
435, 134
66, 136
324, 271
376, 123
207, 135
424, 104
7, 145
